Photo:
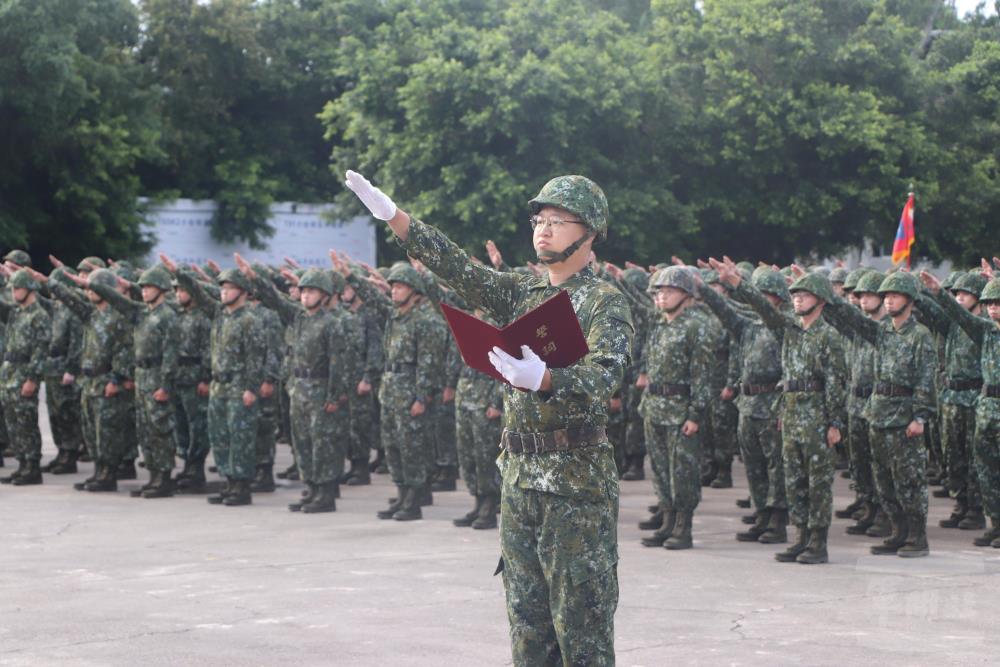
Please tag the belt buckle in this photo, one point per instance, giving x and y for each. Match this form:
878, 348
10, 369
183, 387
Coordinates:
534, 444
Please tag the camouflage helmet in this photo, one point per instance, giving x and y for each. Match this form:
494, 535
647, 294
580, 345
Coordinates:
851, 281
406, 274
637, 278
745, 266
991, 292
61, 274
317, 279
950, 279
838, 275
96, 261
103, 277
901, 282
814, 283
709, 276
338, 281
869, 283
233, 276
580, 196
156, 276
673, 276
124, 270
973, 283
23, 280
19, 257
768, 280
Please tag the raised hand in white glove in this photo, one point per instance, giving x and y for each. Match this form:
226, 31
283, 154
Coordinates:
377, 201
524, 373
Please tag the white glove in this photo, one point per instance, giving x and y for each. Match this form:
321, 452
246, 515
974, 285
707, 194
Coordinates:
524, 373
377, 201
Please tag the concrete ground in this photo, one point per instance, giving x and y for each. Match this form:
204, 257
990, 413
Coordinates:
105, 579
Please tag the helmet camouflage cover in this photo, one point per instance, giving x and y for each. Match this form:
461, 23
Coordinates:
869, 282
973, 283
406, 274
23, 280
235, 277
318, 279
156, 276
992, 291
814, 283
902, 283
673, 276
580, 196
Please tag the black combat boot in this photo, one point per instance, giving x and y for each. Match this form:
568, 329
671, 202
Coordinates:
362, 473
425, 496
663, 533
654, 522
893, 543
126, 470
154, 479
636, 469
957, 515
103, 480
85, 456
394, 505
487, 518
60, 457
263, 481
744, 503
865, 521
916, 539
323, 500
466, 520
680, 538
708, 473
815, 551
943, 492
723, 478
849, 511
307, 496
240, 495
32, 474
749, 519
757, 529
777, 528
410, 510
290, 473
446, 477
82, 486
220, 497
795, 550
164, 487
973, 519
882, 526
21, 465
993, 533
68, 465
192, 479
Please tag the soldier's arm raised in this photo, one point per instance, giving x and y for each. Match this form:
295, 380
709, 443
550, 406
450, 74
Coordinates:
732, 320
975, 327
124, 305
187, 281
850, 321
73, 300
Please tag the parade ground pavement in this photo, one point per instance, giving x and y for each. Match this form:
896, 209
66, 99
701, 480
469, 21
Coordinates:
105, 579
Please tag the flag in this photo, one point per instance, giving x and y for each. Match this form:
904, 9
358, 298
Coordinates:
905, 235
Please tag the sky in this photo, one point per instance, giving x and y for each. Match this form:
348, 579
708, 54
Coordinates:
965, 6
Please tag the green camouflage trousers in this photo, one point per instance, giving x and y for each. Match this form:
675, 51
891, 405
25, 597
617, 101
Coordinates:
635, 429
191, 423
445, 445
809, 479
405, 438
364, 424
900, 466
21, 417
155, 428
105, 422
232, 430
958, 428
719, 438
63, 402
676, 463
616, 429
319, 437
560, 573
760, 445
268, 419
478, 439
860, 451
987, 458
131, 435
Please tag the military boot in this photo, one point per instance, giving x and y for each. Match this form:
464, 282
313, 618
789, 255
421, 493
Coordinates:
82, 486
323, 500
973, 520
655, 521
708, 473
487, 518
85, 456
192, 480
7, 450
892, 544
993, 533
777, 528
636, 469
849, 511
394, 505
815, 551
882, 526
795, 550
864, 522
263, 481
347, 474
290, 473
466, 520
240, 495
362, 473
32, 474
154, 479
425, 496
749, 519
723, 478
379, 466
164, 487
305, 499
21, 465
663, 533
103, 481
220, 497
916, 539
941, 493
744, 503
60, 457
956, 517
445, 479
680, 538
757, 529
68, 465
126, 470
410, 509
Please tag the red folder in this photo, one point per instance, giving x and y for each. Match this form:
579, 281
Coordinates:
552, 330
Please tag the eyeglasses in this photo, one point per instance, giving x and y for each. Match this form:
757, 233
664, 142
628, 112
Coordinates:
553, 223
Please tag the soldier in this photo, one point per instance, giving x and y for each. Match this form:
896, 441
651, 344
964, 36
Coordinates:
559, 507
27, 349
677, 390
635, 432
191, 387
903, 400
813, 410
238, 351
719, 436
758, 374
269, 408
155, 344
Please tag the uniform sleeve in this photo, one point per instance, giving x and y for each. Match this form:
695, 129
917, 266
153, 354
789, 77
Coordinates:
123, 359
850, 321
202, 299
372, 296
773, 319
430, 352
124, 305
254, 351
270, 297
41, 331
931, 315
374, 354
336, 345
925, 389
168, 362
835, 380
975, 327
700, 373
73, 300
732, 320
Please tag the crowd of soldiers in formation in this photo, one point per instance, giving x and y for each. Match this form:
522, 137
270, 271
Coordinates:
890, 378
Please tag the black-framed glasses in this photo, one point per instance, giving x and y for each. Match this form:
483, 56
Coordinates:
553, 223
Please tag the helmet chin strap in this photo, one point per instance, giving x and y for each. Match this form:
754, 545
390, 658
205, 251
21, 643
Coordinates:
810, 311
552, 257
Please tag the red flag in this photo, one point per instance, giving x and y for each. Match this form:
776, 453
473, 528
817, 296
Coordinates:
905, 235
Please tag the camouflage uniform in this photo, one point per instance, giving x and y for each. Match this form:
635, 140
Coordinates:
719, 437
194, 366
365, 433
559, 509
478, 436
633, 286
63, 400
269, 412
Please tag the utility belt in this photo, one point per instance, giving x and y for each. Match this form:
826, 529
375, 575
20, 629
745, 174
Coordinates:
895, 390
91, 372
991, 390
964, 385
552, 441
805, 386
310, 374
749, 389
149, 363
224, 377
15, 358
189, 361
669, 389
400, 368
863, 390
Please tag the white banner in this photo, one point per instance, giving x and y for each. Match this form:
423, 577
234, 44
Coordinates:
302, 232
